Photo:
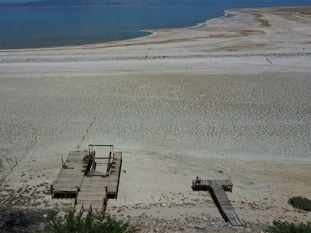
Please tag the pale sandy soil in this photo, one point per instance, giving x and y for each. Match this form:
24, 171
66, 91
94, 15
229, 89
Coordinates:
226, 99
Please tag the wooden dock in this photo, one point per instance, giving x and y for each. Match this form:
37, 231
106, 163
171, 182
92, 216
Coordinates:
70, 178
89, 179
97, 188
218, 189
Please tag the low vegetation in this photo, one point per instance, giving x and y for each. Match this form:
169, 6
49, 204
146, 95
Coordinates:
300, 203
285, 227
91, 224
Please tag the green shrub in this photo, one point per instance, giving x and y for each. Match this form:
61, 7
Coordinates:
91, 224
285, 227
300, 203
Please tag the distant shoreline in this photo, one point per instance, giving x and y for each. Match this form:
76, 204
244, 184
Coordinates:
151, 32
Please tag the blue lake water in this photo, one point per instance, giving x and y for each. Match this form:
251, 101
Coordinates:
46, 27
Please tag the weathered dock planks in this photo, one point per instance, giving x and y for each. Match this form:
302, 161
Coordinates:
217, 189
69, 179
223, 203
89, 180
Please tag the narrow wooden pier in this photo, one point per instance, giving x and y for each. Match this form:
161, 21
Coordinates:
89, 179
217, 189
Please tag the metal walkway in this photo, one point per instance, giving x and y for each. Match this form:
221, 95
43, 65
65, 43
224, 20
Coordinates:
217, 189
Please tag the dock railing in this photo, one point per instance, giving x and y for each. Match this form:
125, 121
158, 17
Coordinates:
110, 156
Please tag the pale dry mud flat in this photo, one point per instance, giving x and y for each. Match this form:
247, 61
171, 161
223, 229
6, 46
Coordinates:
227, 99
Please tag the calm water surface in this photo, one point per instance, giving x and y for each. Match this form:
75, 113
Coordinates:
46, 27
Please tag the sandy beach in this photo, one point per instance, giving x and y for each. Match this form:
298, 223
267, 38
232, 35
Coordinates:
229, 98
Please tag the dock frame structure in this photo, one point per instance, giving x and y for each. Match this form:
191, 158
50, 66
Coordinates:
218, 189
89, 179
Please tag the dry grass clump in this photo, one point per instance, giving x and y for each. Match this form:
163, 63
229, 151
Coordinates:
300, 203
93, 224
285, 227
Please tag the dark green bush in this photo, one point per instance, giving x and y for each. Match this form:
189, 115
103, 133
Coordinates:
91, 224
285, 227
300, 203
